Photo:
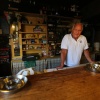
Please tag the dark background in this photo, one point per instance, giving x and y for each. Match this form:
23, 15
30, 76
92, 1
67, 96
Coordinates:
88, 9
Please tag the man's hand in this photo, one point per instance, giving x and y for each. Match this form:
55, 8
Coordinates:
92, 62
59, 67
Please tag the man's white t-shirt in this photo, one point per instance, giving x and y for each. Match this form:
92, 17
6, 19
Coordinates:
75, 49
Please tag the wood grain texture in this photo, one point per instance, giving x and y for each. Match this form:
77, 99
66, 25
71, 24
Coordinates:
70, 84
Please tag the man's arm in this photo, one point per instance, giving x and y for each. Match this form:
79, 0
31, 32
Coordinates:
87, 55
63, 57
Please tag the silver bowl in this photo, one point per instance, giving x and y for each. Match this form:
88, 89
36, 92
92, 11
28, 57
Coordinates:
95, 67
13, 83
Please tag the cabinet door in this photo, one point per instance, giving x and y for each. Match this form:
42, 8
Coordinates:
15, 41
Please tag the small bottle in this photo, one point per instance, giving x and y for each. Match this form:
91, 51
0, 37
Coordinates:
44, 53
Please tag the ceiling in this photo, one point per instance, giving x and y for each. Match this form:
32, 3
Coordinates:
84, 6
88, 8
59, 3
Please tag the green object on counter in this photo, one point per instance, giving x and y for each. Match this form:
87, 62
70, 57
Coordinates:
29, 64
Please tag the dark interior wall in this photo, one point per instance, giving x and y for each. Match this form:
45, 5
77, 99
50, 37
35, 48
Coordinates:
3, 5
97, 34
3, 21
91, 13
4, 25
91, 10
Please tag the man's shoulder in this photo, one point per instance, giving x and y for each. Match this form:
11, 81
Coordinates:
82, 36
67, 35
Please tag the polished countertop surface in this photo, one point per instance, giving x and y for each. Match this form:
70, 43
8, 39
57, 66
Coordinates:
69, 84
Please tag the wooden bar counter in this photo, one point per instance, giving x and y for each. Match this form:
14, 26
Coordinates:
69, 84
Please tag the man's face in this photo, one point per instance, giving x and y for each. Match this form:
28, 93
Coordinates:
76, 31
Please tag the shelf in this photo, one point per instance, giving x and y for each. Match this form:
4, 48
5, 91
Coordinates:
29, 38
4, 49
56, 16
4, 56
51, 25
33, 39
33, 32
63, 26
35, 44
32, 14
51, 40
58, 43
34, 24
32, 50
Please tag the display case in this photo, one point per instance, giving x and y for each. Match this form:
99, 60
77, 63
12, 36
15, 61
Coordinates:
33, 32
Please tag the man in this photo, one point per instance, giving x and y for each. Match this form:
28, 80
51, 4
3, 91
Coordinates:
72, 47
